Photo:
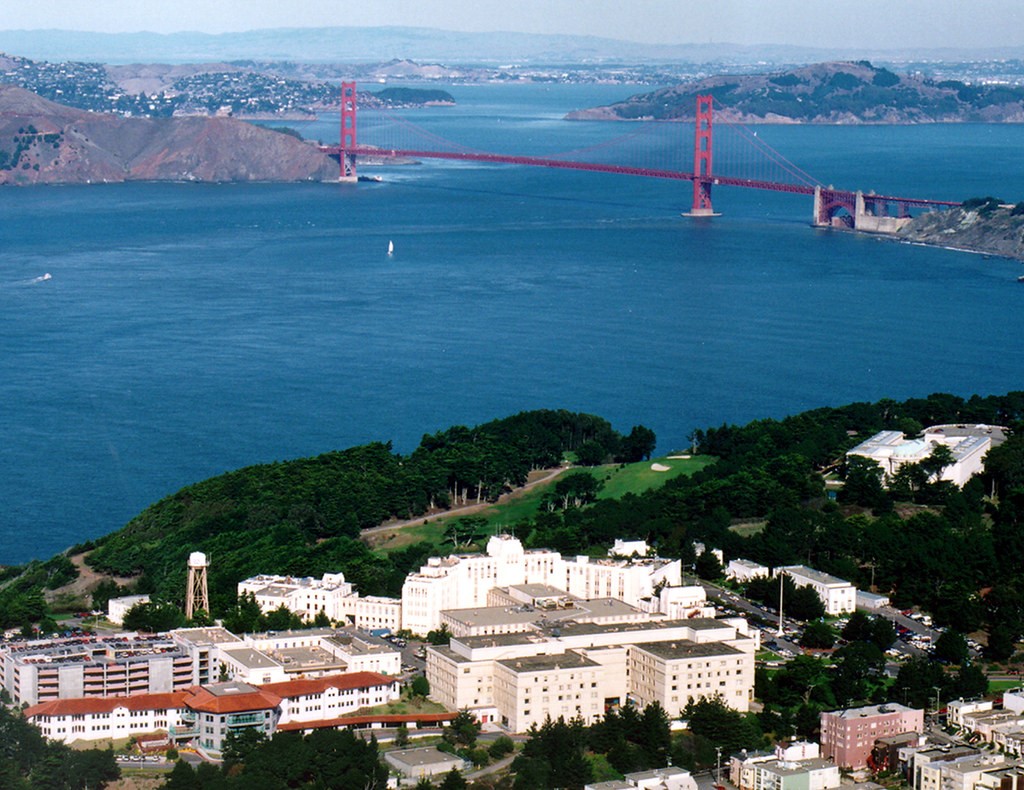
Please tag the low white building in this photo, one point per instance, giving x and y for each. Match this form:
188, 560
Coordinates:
796, 766
871, 602
117, 608
670, 778
742, 571
1013, 699
967, 443
424, 761
958, 708
837, 595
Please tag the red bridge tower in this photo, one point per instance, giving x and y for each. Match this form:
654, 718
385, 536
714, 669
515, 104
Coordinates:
702, 147
347, 160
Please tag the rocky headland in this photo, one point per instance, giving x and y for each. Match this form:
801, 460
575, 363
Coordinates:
42, 142
982, 225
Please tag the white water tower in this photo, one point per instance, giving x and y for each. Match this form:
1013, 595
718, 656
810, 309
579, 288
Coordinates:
197, 596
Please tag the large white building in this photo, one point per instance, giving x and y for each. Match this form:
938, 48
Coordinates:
968, 444
579, 669
837, 595
462, 581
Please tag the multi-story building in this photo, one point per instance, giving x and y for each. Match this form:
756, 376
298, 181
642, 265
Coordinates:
848, 736
93, 666
837, 596
461, 581
925, 764
795, 767
672, 661
89, 719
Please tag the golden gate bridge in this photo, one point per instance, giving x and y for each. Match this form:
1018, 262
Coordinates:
762, 167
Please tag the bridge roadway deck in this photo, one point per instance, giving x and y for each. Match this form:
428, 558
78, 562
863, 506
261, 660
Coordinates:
596, 167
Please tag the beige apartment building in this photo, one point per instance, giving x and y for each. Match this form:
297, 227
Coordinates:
494, 676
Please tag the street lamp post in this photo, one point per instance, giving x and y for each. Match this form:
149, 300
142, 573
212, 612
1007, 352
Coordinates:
718, 766
780, 630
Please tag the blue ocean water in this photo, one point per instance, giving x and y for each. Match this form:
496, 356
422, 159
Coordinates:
191, 329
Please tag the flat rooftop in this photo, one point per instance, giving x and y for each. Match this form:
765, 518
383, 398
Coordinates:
214, 635
250, 659
568, 660
417, 758
684, 648
818, 577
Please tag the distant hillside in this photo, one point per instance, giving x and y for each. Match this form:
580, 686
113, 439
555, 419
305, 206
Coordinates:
824, 93
354, 44
42, 142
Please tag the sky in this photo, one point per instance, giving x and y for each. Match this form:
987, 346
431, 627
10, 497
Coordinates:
882, 24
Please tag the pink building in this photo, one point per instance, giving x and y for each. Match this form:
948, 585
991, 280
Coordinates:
847, 736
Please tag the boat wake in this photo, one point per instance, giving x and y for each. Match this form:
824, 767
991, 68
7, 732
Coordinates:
40, 278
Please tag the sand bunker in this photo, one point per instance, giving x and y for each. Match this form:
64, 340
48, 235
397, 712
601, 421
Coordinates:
660, 468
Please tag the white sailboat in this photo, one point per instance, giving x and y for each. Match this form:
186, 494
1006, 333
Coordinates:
391, 247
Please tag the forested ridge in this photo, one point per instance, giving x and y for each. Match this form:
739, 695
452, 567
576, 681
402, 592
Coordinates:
957, 553
304, 517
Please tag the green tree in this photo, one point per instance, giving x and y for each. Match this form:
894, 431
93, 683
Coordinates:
818, 635
420, 686
863, 483
462, 730
453, 780
245, 617
951, 646
502, 746
182, 777
465, 531
638, 445
442, 636
708, 567
153, 617
402, 736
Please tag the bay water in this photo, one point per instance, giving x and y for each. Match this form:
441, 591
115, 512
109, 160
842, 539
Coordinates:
189, 329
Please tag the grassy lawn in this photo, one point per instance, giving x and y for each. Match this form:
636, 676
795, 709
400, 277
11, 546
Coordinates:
404, 705
746, 529
999, 686
640, 477
618, 480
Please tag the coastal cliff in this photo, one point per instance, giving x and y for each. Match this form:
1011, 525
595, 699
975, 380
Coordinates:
825, 93
42, 142
992, 228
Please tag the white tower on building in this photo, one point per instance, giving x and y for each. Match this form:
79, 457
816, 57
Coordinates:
197, 595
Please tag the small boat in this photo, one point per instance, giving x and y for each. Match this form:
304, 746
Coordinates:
391, 247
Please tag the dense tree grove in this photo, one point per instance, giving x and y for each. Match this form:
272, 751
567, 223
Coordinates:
323, 759
28, 761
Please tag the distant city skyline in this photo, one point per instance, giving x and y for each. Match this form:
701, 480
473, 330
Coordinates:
871, 24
